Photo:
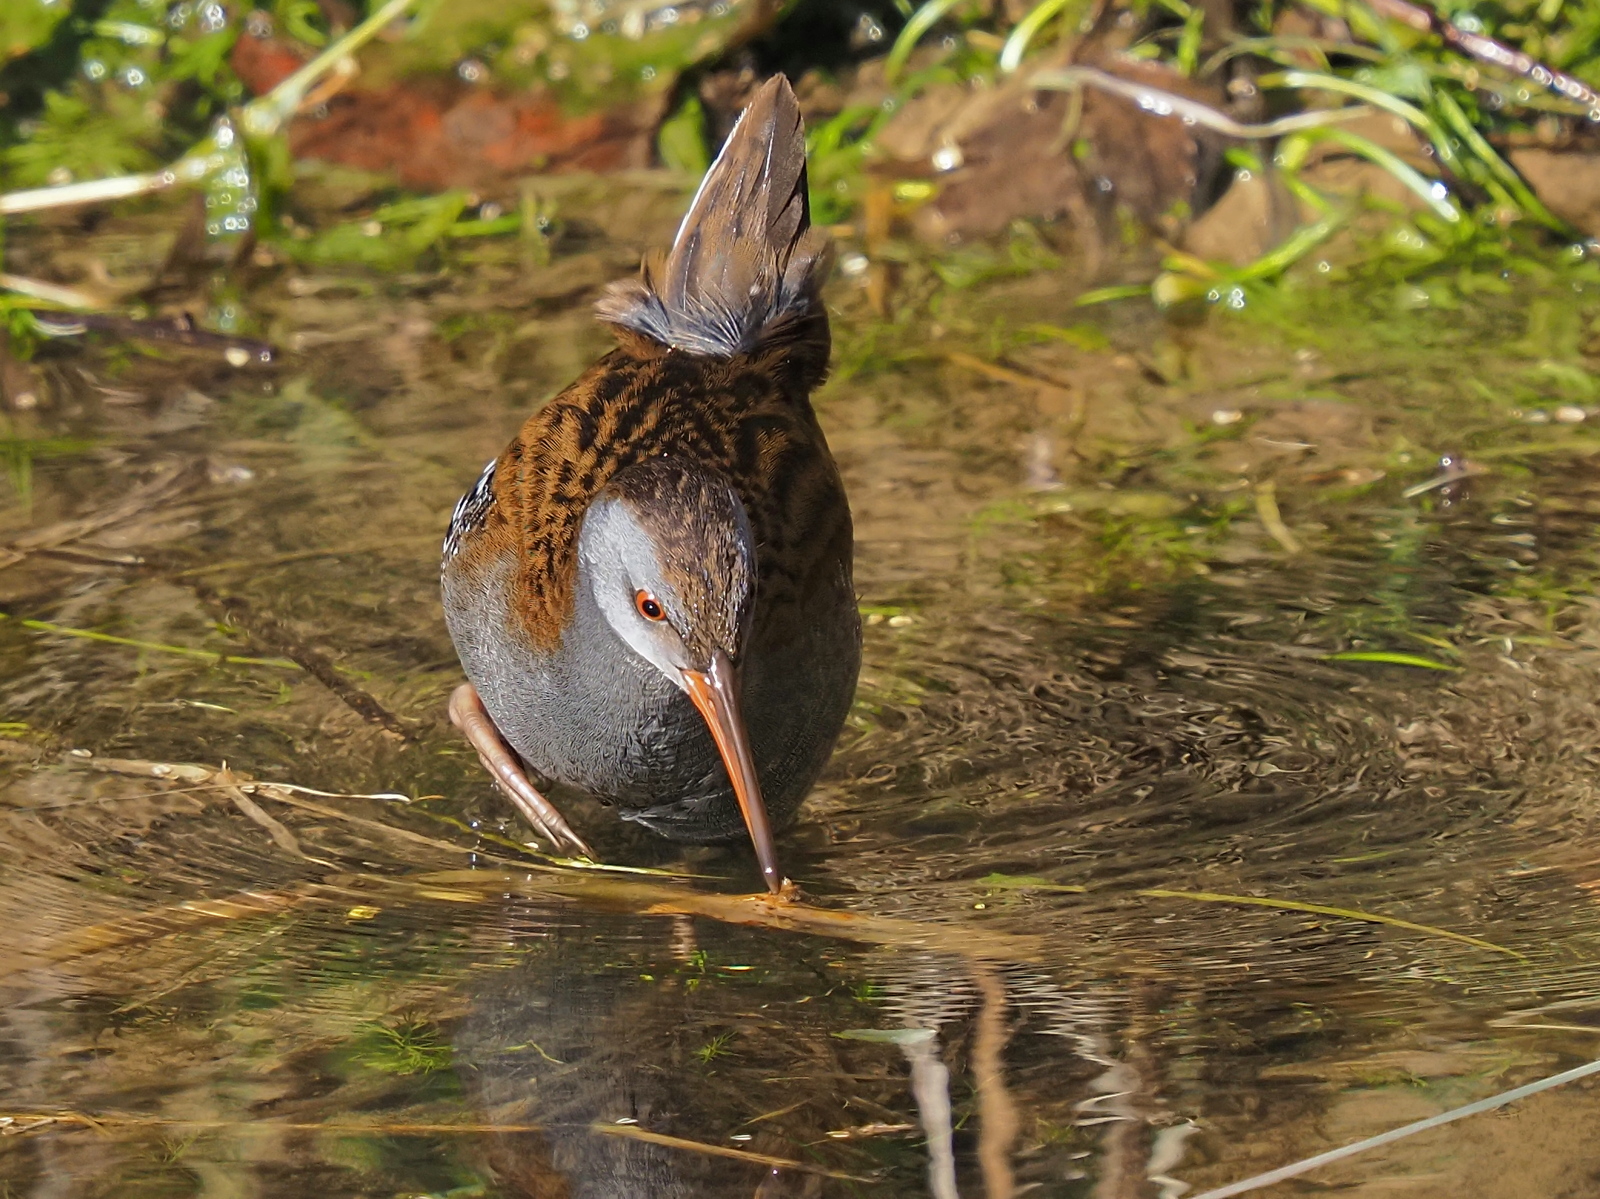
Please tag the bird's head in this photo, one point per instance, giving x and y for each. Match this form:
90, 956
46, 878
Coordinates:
671, 562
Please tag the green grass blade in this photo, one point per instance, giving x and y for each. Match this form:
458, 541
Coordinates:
1027, 882
61, 630
1027, 29
1498, 167
1376, 97
924, 19
1296, 246
1317, 909
1277, 48
1030, 882
1425, 189
1102, 295
1188, 53
1389, 658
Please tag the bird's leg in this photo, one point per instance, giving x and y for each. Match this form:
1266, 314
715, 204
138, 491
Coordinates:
469, 715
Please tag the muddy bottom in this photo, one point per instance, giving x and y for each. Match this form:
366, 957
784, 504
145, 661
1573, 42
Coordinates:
1220, 788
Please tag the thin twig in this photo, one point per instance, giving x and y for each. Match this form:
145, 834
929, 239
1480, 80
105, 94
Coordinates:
262, 117
634, 1133
538, 881
14, 1123
652, 898
204, 777
1170, 104
392, 796
1005, 374
271, 632
1487, 50
284, 796
93, 191
50, 293
284, 839
281, 836
181, 331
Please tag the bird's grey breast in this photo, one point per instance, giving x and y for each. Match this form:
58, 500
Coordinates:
590, 712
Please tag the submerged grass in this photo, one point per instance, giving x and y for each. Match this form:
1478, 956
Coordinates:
405, 1046
214, 656
1016, 882
1389, 658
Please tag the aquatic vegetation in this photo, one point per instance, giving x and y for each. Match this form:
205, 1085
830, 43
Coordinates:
394, 235
406, 1045
1441, 74
162, 81
1389, 658
217, 657
149, 82
715, 1048
1003, 882
18, 454
118, 93
867, 992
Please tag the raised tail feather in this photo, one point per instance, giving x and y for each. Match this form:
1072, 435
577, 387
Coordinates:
746, 265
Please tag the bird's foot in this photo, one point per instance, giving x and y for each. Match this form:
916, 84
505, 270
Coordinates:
469, 715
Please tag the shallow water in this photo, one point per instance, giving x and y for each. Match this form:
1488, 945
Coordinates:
1092, 661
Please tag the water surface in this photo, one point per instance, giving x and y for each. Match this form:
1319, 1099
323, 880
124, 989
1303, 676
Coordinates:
1106, 562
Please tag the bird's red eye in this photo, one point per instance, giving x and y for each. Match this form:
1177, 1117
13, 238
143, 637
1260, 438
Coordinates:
649, 607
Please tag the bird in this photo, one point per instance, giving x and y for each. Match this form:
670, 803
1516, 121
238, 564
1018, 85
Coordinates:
650, 590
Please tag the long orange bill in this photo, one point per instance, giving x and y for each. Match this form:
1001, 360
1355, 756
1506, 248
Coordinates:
715, 694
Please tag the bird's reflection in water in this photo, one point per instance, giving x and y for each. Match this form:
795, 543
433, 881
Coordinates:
1010, 1077
984, 1007
559, 1043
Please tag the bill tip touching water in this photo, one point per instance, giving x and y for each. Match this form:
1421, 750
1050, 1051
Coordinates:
650, 589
